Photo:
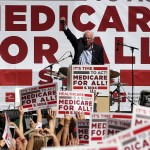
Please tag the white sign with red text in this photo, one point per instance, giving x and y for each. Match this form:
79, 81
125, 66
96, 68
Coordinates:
136, 138
98, 125
141, 115
86, 147
91, 78
43, 96
7, 136
83, 131
69, 102
113, 126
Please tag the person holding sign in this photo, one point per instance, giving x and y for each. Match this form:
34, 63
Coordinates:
86, 51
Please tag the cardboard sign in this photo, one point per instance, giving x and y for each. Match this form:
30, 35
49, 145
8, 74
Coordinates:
141, 115
43, 96
83, 131
91, 78
136, 138
114, 126
98, 125
7, 134
70, 101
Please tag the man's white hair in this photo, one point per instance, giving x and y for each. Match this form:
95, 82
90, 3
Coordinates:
88, 31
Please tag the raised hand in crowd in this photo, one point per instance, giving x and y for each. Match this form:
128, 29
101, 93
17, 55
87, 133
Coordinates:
65, 136
73, 140
21, 113
51, 117
79, 116
60, 129
20, 140
2, 143
50, 133
38, 123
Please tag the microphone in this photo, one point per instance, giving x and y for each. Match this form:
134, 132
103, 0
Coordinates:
50, 66
117, 45
70, 55
133, 47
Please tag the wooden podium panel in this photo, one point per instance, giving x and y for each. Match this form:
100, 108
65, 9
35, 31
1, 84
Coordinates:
103, 104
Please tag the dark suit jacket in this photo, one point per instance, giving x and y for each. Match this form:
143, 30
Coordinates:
79, 46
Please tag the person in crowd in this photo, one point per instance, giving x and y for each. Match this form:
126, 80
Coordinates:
38, 136
86, 51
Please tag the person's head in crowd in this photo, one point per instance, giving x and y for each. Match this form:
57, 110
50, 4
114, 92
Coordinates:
39, 142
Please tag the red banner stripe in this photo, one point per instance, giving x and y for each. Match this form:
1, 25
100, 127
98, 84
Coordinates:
88, 95
13, 77
84, 142
96, 138
52, 102
87, 113
47, 86
122, 116
27, 106
142, 129
100, 68
102, 87
77, 87
6, 137
110, 148
63, 112
141, 77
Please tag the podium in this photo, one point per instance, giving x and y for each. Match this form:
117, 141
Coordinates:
91, 78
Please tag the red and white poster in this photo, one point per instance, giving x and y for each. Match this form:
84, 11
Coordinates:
91, 78
7, 136
83, 131
86, 147
98, 125
132, 138
31, 39
69, 102
113, 126
141, 116
41, 97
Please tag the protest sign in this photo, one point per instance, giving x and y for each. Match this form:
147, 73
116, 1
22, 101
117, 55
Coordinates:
83, 131
136, 138
43, 96
114, 126
98, 125
71, 101
141, 115
7, 136
91, 78
86, 147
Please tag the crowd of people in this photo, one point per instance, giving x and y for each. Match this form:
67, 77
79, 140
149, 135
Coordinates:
56, 132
